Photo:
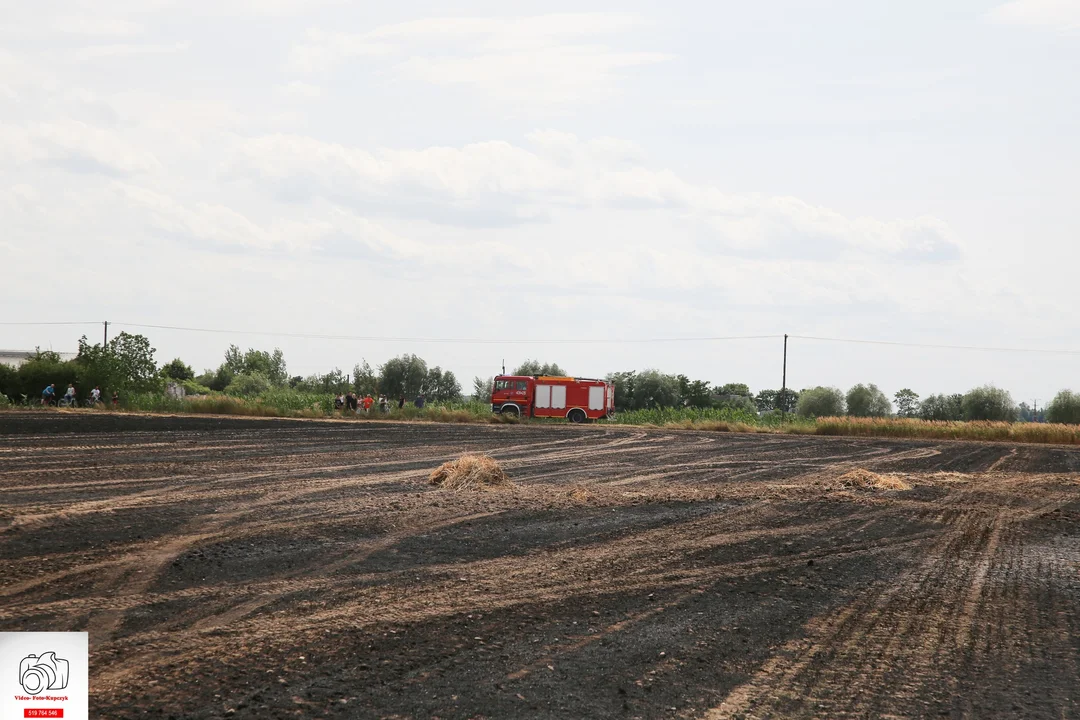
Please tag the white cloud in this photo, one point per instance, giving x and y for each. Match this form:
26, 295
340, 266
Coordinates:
1054, 14
86, 148
300, 90
94, 24
526, 60
497, 181
94, 52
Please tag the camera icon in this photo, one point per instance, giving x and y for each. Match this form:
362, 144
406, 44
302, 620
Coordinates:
38, 673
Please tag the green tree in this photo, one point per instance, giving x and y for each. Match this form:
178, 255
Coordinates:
694, 393
270, 365
989, 403
248, 385
127, 364
624, 389
653, 388
482, 388
907, 403
820, 402
535, 367
364, 379
9, 382
766, 400
177, 370
942, 407
735, 389
234, 360
441, 386
867, 401
43, 368
403, 375
769, 400
1064, 408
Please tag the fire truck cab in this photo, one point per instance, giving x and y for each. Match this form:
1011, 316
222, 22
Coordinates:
576, 399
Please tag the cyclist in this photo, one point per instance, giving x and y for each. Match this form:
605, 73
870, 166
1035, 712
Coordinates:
95, 395
48, 394
69, 396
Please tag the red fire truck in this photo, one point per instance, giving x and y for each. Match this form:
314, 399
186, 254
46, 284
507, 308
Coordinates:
576, 399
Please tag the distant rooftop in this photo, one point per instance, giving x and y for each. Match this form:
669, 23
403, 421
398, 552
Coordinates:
15, 358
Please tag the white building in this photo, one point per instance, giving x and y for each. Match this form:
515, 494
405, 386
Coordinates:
15, 358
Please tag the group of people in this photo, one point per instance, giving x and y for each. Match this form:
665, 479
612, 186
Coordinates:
48, 395
352, 402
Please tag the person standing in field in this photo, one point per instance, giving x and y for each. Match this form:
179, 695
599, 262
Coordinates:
368, 402
420, 401
401, 403
115, 398
384, 406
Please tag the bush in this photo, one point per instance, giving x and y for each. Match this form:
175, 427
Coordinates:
942, 407
4, 401
867, 401
1064, 408
192, 387
820, 402
989, 403
248, 385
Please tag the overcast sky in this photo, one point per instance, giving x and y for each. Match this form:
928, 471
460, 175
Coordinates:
552, 170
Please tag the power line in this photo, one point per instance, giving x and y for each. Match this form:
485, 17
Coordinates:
450, 340
96, 322
978, 348
562, 341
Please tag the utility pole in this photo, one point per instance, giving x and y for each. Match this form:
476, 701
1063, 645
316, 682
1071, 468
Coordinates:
504, 366
783, 384
106, 334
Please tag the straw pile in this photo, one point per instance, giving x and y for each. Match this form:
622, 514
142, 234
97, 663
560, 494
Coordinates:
470, 472
859, 479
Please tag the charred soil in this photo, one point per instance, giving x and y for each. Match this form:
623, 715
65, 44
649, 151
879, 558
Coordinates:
283, 569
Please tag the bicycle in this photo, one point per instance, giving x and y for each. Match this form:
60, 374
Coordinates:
66, 402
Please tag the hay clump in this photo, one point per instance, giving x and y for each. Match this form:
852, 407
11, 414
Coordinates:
860, 479
471, 472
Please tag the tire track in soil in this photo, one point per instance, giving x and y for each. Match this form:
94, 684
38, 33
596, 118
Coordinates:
982, 601
909, 636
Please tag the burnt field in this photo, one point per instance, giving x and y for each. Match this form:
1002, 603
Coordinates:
288, 569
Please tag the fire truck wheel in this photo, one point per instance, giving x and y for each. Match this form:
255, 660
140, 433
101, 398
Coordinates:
512, 411
577, 416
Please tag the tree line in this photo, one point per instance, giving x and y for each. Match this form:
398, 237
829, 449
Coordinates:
127, 364
646, 389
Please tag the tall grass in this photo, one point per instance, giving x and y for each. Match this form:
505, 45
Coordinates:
293, 404
682, 416
1049, 433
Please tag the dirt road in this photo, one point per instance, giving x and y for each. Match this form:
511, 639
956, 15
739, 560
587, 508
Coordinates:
282, 569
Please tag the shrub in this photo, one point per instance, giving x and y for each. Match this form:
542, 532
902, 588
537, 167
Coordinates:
867, 401
989, 403
942, 407
820, 402
248, 385
191, 387
1064, 408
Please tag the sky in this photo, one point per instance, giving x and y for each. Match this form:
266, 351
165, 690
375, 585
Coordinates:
615, 174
